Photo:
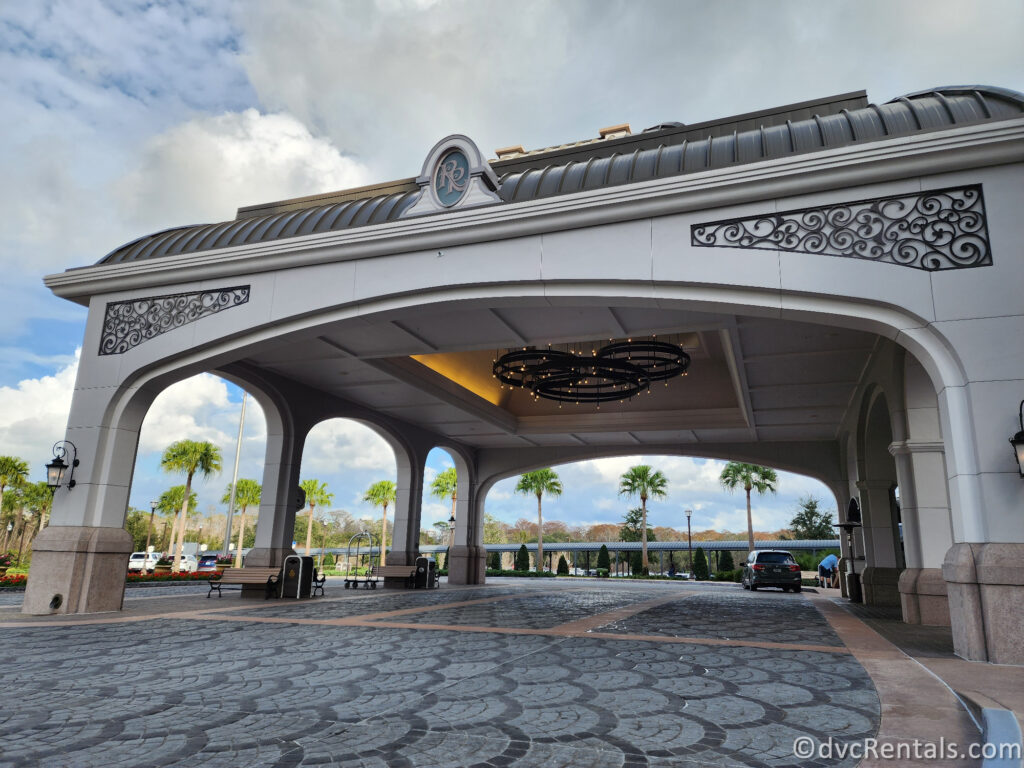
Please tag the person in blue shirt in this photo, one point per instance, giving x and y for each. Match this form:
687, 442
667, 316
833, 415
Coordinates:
828, 570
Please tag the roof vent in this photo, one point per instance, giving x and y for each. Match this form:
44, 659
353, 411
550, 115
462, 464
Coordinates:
616, 131
507, 153
665, 126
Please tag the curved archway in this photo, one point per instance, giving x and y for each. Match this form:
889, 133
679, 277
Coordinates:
128, 400
877, 485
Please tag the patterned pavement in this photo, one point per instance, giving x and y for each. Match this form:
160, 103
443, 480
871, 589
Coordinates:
777, 617
244, 683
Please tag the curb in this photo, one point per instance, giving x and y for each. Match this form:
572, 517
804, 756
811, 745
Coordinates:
998, 726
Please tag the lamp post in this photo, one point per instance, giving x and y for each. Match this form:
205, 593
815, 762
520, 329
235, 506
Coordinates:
149, 532
234, 476
689, 540
10, 527
451, 540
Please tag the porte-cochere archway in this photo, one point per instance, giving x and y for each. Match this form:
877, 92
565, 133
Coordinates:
844, 276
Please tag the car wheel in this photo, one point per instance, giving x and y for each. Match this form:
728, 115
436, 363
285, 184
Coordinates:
753, 587
797, 588
785, 589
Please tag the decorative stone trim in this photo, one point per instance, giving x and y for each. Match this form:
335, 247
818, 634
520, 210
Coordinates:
933, 230
901, 447
127, 324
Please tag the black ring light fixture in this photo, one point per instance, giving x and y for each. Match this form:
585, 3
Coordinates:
617, 371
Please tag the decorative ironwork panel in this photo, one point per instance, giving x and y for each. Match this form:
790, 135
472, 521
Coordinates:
126, 324
939, 229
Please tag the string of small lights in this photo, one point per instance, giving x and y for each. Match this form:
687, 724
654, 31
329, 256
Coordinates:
619, 370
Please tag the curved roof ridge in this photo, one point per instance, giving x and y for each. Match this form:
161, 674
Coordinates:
918, 112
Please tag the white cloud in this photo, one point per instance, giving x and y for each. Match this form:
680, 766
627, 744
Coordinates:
34, 415
386, 80
204, 169
187, 410
339, 444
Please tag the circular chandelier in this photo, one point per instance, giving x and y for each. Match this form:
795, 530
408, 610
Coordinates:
616, 371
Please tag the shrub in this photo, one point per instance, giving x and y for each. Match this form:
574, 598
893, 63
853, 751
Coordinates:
563, 567
221, 560
494, 561
5, 560
602, 573
808, 561
604, 561
725, 562
522, 559
182, 576
700, 565
524, 574
329, 561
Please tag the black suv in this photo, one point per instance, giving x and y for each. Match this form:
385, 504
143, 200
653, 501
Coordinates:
771, 568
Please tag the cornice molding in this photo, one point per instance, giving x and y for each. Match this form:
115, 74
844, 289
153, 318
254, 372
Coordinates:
926, 154
903, 447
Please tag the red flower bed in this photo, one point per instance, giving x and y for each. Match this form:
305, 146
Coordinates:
14, 580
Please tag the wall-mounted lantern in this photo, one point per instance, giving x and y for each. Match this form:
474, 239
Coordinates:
57, 468
1017, 441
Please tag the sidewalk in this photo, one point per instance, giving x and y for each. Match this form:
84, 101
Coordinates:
927, 693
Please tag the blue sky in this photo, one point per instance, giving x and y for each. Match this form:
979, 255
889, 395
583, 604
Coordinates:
119, 119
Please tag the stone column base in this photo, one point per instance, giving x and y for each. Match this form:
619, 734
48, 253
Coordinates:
986, 601
77, 569
403, 557
923, 597
881, 586
467, 565
266, 557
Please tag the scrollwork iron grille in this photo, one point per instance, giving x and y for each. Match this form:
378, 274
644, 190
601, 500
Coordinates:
934, 230
126, 324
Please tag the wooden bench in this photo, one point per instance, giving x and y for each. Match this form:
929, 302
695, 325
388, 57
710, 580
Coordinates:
407, 572
269, 578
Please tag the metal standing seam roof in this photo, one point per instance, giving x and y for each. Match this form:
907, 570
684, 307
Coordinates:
919, 112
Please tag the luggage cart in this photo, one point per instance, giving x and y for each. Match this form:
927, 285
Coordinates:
362, 543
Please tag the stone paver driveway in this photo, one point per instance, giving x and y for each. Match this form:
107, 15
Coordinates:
510, 674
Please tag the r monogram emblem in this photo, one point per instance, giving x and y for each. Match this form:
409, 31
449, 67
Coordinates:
451, 178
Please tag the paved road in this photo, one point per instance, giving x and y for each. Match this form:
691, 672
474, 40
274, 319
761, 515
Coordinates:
510, 674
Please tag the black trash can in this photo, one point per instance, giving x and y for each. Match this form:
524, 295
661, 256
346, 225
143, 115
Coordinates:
853, 590
426, 573
297, 577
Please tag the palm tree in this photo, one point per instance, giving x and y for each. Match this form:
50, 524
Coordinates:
446, 484
247, 494
38, 497
647, 483
381, 494
539, 482
13, 471
317, 495
189, 457
169, 506
750, 476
